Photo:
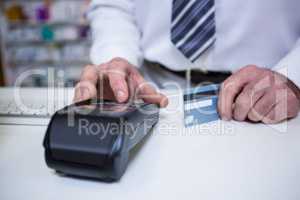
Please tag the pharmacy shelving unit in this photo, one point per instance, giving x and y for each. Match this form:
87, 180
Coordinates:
67, 54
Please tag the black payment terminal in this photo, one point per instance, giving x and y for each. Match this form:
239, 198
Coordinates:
94, 138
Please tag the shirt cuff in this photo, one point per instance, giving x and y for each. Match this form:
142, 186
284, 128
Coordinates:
106, 54
289, 65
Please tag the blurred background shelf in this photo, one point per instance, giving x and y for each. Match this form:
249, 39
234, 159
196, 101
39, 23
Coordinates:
52, 43
25, 24
21, 1
49, 63
49, 35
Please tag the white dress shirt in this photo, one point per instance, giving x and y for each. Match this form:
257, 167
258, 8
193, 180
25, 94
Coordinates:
260, 32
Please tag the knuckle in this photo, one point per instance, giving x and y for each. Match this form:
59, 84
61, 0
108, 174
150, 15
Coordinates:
229, 81
268, 74
119, 63
225, 85
142, 85
229, 88
77, 86
81, 84
102, 68
87, 67
249, 94
250, 68
242, 102
116, 73
119, 68
118, 60
267, 79
117, 83
135, 75
84, 84
250, 88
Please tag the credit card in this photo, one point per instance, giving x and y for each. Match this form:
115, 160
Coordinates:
200, 105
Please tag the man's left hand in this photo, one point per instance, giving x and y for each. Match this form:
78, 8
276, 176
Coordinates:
258, 95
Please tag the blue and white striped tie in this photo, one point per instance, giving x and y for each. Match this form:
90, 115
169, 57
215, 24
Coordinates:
193, 26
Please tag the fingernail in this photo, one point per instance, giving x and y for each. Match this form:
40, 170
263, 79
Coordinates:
164, 102
225, 118
83, 94
120, 95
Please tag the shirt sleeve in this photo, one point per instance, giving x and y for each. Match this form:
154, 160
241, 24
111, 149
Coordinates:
115, 32
289, 66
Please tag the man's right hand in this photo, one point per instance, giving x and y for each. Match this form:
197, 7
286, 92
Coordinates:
116, 80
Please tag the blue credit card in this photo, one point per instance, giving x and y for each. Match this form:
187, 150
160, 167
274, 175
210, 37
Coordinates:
200, 105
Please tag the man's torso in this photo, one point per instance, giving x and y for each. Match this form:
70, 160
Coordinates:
248, 32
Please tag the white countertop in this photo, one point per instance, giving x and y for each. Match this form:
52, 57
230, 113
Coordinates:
220, 160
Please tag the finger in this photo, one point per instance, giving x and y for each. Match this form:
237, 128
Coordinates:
86, 88
246, 100
90, 73
231, 88
276, 115
148, 94
146, 91
118, 84
104, 90
263, 106
286, 108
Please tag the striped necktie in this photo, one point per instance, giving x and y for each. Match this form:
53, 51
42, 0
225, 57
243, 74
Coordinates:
193, 26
